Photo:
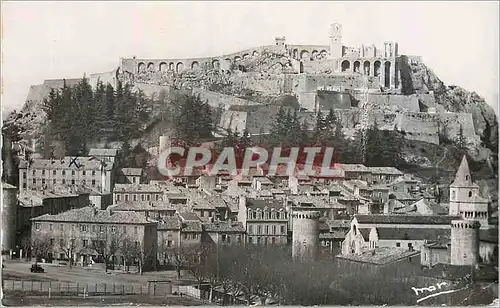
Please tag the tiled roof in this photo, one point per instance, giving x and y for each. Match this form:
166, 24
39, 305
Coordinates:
188, 216
334, 223
382, 255
365, 232
144, 206
169, 223
191, 226
352, 167
263, 180
413, 234
92, 215
137, 188
85, 163
405, 219
399, 195
236, 227
452, 272
103, 152
336, 235
358, 183
30, 198
131, 171
385, 170
256, 203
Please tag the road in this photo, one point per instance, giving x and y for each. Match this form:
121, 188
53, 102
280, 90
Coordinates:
84, 275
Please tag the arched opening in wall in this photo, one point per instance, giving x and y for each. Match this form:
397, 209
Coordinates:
470, 194
141, 67
366, 68
304, 55
163, 67
179, 67
216, 65
453, 195
237, 58
345, 66
171, 66
151, 67
255, 53
295, 54
324, 54
195, 65
314, 54
353, 247
357, 66
376, 68
387, 73
246, 56
301, 67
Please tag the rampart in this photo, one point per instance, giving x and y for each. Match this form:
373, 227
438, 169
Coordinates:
234, 120
152, 90
394, 102
105, 78
218, 99
267, 84
59, 83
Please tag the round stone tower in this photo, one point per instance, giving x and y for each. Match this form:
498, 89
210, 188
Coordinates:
305, 235
465, 242
9, 204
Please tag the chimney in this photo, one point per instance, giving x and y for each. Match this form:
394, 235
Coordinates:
109, 210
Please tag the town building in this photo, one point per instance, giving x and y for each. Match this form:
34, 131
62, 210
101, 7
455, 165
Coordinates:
265, 221
154, 210
9, 213
137, 192
224, 233
89, 235
130, 176
104, 155
49, 174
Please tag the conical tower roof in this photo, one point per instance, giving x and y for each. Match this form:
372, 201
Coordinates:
463, 178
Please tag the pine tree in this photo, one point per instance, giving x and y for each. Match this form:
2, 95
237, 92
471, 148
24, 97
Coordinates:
245, 140
320, 129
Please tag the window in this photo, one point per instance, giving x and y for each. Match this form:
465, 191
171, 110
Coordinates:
209, 214
224, 237
34, 172
84, 173
63, 172
94, 228
250, 229
278, 215
136, 244
83, 228
61, 227
169, 243
202, 213
238, 238
258, 240
254, 215
124, 229
148, 197
85, 243
266, 229
157, 197
113, 229
118, 197
54, 172
274, 230
50, 227
398, 244
37, 226
43, 172
93, 173
34, 181
73, 227
142, 197
73, 182
185, 236
61, 242
24, 174
452, 194
250, 240
63, 181
126, 197
24, 185
282, 229
470, 194
259, 229
135, 197
54, 181
101, 228
273, 240
135, 229
93, 182
52, 242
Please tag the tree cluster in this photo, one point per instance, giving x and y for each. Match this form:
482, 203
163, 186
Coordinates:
268, 274
78, 115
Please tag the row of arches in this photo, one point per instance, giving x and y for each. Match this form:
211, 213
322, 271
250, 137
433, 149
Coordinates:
266, 214
306, 55
177, 67
356, 68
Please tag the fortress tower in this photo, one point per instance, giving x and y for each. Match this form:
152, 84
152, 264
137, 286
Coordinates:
335, 40
464, 197
9, 204
305, 238
464, 242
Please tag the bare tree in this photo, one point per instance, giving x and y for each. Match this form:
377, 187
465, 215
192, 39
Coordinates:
107, 245
128, 250
40, 246
68, 246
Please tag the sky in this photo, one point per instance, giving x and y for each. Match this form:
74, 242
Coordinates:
45, 40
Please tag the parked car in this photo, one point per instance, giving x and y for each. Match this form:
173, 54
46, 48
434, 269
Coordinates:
35, 268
